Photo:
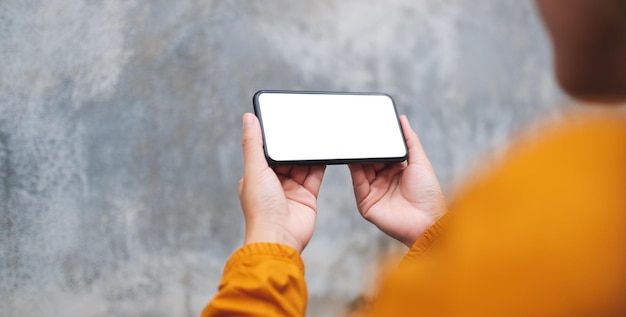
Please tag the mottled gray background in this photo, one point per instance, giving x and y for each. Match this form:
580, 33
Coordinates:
120, 133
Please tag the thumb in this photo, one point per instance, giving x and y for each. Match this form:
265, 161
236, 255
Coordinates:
252, 144
416, 151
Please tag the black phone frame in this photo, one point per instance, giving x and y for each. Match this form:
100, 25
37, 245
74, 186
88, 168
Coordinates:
273, 162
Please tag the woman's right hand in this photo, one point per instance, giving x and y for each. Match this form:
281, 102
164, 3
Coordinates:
401, 199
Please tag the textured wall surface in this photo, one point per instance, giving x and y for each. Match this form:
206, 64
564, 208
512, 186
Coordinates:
120, 133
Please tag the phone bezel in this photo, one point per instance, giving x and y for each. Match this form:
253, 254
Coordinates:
273, 162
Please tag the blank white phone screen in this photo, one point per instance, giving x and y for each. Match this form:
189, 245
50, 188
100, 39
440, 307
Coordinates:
314, 126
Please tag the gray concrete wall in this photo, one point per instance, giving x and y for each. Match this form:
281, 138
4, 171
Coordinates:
120, 133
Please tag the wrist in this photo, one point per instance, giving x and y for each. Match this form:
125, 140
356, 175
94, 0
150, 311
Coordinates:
270, 234
418, 230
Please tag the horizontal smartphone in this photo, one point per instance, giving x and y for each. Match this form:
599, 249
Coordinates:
321, 128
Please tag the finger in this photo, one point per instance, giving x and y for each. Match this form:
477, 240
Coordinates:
283, 170
313, 181
416, 151
398, 166
252, 144
379, 166
370, 172
357, 173
282, 178
299, 173
360, 181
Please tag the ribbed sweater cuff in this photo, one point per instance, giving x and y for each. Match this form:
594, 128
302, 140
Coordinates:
264, 251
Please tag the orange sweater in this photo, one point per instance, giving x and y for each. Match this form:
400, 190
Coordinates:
544, 234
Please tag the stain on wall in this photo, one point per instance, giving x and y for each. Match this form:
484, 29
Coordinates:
120, 133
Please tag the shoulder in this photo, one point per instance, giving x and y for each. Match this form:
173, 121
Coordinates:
580, 152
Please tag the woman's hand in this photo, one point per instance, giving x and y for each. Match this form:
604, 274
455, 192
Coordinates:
401, 199
280, 204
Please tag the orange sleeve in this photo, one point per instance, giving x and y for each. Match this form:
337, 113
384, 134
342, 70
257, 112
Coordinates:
261, 279
542, 234
425, 241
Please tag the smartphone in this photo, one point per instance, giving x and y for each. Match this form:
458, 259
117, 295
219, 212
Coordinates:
322, 128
